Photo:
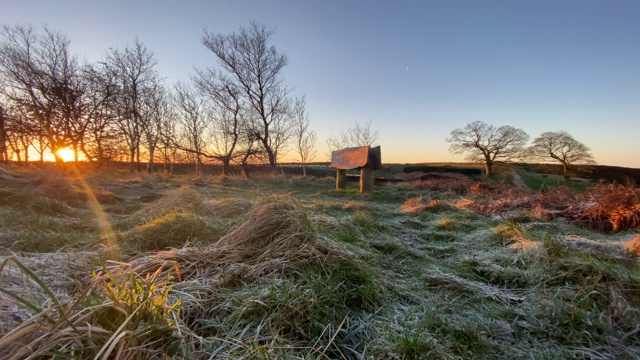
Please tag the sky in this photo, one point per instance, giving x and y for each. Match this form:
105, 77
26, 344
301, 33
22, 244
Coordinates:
415, 69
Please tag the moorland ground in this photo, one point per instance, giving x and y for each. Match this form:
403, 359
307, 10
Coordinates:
112, 264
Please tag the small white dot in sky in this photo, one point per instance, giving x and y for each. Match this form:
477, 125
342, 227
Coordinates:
407, 68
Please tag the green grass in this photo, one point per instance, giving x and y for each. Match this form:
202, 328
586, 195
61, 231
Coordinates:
537, 181
352, 277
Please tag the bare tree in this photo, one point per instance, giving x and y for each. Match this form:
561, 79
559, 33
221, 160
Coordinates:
101, 134
192, 120
486, 143
44, 79
132, 68
561, 147
20, 133
228, 116
305, 137
255, 67
358, 135
155, 109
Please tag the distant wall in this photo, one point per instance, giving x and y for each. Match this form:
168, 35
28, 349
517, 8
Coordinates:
607, 173
470, 171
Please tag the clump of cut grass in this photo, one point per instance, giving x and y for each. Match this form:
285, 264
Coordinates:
173, 230
33, 193
184, 198
54, 185
106, 197
230, 181
228, 208
296, 284
277, 235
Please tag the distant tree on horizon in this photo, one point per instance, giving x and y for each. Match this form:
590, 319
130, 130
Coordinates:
132, 70
561, 147
305, 137
485, 143
358, 135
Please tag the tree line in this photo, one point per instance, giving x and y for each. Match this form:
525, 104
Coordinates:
236, 112
487, 144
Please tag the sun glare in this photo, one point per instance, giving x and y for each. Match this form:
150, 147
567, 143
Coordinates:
66, 154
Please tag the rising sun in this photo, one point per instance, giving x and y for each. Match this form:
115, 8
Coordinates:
66, 154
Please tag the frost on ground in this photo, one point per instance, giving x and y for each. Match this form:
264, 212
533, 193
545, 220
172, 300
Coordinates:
280, 267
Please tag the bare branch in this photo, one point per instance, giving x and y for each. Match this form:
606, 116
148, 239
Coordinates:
483, 142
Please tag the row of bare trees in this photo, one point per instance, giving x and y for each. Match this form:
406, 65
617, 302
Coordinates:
487, 144
235, 112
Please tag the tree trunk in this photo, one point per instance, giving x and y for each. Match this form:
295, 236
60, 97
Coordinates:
132, 159
152, 150
26, 154
75, 153
198, 164
100, 161
138, 158
304, 169
41, 147
245, 170
272, 158
225, 166
3, 138
487, 168
565, 173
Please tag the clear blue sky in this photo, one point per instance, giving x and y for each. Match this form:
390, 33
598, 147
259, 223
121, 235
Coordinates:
415, 69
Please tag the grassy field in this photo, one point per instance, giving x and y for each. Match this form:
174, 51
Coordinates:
118, 265
537, 181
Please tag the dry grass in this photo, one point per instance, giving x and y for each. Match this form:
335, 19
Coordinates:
456, 185
413, 205
319, 275
228, 208
416, 204
633, 245
606, 208
184, 198
277, 235
133, 316
55, 185
173, 230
